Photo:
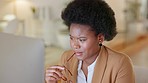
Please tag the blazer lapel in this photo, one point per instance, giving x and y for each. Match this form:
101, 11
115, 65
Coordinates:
74, 70
100, 66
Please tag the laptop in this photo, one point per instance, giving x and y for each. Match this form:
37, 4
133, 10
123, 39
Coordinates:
21, 59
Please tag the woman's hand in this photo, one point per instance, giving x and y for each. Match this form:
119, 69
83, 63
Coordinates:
54, 73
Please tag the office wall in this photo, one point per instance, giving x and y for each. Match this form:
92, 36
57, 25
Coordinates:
46, 22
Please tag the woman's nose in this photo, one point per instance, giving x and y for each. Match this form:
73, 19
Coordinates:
76, 45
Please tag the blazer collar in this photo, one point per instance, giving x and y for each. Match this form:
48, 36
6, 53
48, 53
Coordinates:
74, 67
100, 66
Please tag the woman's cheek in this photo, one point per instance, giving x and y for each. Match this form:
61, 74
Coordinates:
71, 44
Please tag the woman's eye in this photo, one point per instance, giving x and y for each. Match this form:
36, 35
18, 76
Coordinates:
82, 40
71, 38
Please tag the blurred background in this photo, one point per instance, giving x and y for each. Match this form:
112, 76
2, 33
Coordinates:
41, 19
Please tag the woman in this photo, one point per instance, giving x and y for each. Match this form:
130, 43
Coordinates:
90, 23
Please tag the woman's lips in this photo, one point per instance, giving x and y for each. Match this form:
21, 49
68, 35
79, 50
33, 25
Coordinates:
78, 53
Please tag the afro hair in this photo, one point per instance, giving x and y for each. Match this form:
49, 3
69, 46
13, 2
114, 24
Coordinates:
95, 13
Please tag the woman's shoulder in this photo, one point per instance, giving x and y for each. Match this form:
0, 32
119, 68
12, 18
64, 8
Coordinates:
116, 54
119, 59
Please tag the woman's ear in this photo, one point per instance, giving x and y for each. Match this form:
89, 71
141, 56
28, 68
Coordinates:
100, 38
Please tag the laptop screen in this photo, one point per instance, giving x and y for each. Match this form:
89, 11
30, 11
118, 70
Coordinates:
21, 59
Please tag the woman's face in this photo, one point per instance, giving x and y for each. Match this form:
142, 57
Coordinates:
84, 42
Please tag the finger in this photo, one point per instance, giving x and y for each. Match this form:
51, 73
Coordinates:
55, 67
58, 67
53, 74
56, 71
56, 77
50, 79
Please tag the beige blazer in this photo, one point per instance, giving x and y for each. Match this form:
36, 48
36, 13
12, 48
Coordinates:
111, 67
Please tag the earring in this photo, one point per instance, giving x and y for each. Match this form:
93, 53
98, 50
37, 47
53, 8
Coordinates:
100, 44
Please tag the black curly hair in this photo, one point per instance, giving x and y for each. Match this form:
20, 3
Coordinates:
95, 13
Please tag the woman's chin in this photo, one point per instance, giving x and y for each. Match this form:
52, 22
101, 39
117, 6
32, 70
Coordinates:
79, 57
